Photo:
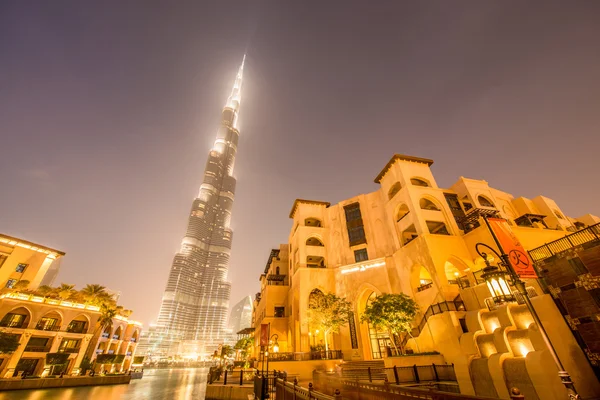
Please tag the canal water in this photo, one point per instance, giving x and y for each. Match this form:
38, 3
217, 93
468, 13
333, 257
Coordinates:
157, 384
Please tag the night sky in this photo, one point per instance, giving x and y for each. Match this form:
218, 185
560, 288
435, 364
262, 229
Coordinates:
108, 110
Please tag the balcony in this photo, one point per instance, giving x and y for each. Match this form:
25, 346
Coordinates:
13, 324
313, 355
425, 286
471, 220
37, 349
51, 328
105, 335
69, 350
115, 337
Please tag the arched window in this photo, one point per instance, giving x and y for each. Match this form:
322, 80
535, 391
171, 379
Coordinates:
49, 322
118, 333
409, 234
437, 227
402, 212
452, 273
558, 214
425, 281
394, 189
419, 182
426, 204
485, 202
315, 262
17, 318
313, 241
78, 325
312, 222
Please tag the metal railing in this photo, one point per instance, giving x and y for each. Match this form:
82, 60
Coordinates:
13, 324
240, 377
583, 238
438, 308
403, 375
37, 349
313, 355
292, 391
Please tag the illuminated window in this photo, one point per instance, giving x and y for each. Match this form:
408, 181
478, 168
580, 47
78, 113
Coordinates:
361, 255
10, 283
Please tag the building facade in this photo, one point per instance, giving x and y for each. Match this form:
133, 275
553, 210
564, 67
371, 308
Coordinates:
412, 236
47, 327
21, 260
193, 314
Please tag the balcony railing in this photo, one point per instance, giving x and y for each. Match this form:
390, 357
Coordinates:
585, 237
313, 355
116, 337
12, 324
425, 286
128, 353
132, 340
77, 329
52, 328
69, 350
105, 335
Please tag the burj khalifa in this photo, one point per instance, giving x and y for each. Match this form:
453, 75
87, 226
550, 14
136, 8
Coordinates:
193, 314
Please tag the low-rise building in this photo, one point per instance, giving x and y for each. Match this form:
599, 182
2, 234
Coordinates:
47, 326
412, 236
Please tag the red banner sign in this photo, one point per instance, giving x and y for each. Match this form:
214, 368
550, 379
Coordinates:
517, 255
264, 334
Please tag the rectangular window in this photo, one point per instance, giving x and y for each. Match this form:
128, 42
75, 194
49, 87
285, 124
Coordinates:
361, 255
279, 312
354, 223
21, 268
11, 283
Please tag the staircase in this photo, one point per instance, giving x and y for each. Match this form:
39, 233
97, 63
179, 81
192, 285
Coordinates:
359, 370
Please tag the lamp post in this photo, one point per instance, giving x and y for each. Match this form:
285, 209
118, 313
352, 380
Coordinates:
498, 285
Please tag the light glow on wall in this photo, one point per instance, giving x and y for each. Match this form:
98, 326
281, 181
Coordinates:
363, 267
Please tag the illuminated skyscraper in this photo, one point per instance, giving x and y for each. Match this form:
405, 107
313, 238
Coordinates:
193, 313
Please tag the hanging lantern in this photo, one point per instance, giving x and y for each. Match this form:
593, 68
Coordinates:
497, 284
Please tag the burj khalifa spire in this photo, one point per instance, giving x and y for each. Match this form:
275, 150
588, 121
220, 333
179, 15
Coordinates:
195, 304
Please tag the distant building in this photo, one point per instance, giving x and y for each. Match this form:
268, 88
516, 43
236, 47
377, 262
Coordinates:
411, 236
21, 260
241, 315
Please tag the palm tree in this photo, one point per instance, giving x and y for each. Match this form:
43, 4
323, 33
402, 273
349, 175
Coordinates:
64, 291
105, 321
21, 285
95, 294
44, 290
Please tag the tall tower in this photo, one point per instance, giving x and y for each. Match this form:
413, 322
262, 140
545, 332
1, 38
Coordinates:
193, 313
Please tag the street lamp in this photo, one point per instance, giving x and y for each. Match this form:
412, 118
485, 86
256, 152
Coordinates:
495, 277
496, 281
275, 345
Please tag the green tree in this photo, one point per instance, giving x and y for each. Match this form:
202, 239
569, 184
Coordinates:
392, 312
21, 285
8, 342
328, 312
245, 346
226, 351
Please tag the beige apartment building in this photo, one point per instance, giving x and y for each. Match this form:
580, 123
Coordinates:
48, 326
412, 236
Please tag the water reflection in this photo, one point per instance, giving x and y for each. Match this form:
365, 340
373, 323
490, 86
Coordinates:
171, 384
